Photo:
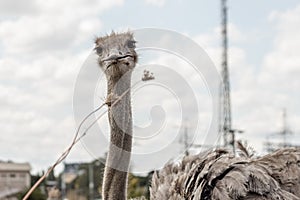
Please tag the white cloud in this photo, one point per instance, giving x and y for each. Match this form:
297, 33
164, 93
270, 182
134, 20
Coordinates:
57, 26
259, 93
282, 64
43, 45
159, 3
15, 8
276, 84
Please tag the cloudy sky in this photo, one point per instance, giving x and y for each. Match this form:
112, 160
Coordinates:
44, 44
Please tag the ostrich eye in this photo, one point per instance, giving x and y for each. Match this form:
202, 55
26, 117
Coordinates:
131, 43
98, 50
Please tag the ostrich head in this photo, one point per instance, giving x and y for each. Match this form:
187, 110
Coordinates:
116, 54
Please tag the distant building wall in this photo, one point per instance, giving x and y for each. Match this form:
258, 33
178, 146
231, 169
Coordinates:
14, 177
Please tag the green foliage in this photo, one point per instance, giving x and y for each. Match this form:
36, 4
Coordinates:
36, 195
51, 176
35, 178
138, 186
81, 183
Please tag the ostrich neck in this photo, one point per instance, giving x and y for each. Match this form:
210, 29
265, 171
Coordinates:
118, 158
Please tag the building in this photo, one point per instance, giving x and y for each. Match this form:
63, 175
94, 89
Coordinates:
14, 177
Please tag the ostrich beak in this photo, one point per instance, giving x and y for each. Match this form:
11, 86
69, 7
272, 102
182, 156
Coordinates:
115, 55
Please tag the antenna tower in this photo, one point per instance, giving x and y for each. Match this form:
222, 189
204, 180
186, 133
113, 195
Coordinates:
225, 129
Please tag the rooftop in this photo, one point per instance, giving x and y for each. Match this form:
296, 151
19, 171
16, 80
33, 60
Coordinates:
11, 166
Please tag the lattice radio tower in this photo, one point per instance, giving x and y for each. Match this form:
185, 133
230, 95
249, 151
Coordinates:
225, 129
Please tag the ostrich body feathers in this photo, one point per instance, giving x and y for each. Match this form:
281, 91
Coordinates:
219, 175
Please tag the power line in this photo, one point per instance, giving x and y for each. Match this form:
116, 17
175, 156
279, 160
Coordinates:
270, 145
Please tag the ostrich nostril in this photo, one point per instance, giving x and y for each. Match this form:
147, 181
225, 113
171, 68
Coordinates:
120, 53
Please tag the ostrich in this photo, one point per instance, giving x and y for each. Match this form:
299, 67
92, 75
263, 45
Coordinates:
215, 174
220, 175
117, 58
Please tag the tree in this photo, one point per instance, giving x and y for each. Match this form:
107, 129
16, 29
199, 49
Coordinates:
36, 195
138, 186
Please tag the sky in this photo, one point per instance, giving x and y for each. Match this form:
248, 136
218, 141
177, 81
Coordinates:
45, 44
